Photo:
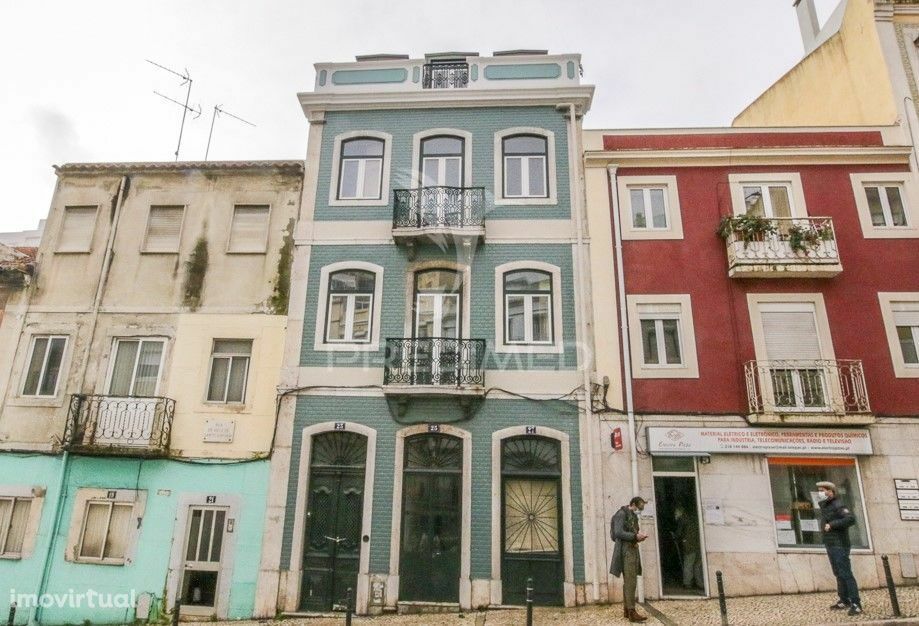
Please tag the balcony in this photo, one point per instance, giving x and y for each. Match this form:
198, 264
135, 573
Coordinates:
445, 75
796, 247
434, 366
807, 392
439, 215
119, 426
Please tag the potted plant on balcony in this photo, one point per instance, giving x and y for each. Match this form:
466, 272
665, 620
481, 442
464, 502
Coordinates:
747, 227
807, 237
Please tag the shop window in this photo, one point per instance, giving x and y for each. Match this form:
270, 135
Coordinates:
794, 499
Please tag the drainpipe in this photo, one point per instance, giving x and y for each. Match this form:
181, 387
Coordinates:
574, 151
65, 459
624, 338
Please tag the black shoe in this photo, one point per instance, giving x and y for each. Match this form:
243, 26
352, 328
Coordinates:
841, 604
855, 610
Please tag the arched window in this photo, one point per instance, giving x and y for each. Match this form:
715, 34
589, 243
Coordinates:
360, 172
525, 171
528, 307
442, 161
350, 306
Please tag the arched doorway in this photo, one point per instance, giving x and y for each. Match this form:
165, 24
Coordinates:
332, 535
531, 520
430, 545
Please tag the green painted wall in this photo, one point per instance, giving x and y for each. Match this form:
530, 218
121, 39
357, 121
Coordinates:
147, 573
483, 123
482, 316
493, 415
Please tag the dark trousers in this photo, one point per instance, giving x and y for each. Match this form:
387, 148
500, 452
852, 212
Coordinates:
842, 570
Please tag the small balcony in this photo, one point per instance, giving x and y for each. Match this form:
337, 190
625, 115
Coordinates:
439, 215
119, 426
796, 247
807, 392
445, 75
434, 366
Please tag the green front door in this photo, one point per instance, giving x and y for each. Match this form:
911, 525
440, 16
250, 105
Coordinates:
531, 520
332, 540
429, 559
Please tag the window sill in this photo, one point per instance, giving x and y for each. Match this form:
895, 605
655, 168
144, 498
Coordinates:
103, 562
665, 372
359, 202
819, 550
347, 347
159, 252
247, 252
525, 201
86, 251
37, 401
529, 348
11, 557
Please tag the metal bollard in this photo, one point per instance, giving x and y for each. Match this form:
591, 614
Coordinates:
894, 603
175, 612
530, 601
349, 609
722, 602
12, 617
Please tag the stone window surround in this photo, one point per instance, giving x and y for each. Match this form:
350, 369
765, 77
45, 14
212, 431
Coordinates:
551, 156
908, 195
81, 498
674, 229
418, 137
557, 346
37, 495
793, 179
689, 368
886, 299
22, 361
383, 200
322, 308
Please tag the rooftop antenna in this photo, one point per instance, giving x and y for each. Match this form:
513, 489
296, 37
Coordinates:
186, 80
217, 111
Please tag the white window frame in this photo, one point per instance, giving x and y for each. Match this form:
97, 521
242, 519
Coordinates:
232, 356
36, 494
322, 309
7, 524
908, 196
556, 346
418, 137
136, 498
335, 177
350, 300
114, 354
500, 199
660, 344
791, 180
887, 299
528, 299
689, 368
674, 229
264, 247
145, 248
44, 365
89, 244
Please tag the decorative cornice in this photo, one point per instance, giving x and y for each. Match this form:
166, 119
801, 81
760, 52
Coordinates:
750, 156
177, 166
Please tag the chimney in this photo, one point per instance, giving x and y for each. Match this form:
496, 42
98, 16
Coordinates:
807, 22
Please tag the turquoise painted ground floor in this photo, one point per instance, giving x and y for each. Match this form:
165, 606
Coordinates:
431, 501
101, 535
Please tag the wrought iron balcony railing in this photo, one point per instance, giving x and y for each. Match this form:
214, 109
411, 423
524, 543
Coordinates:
439, 207
818, 386
437, 361
119, 425
445, 75
806, 244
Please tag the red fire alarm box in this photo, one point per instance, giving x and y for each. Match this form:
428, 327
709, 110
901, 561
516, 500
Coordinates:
615, 438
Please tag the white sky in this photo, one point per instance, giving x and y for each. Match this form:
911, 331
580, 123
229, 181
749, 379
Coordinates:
76, 86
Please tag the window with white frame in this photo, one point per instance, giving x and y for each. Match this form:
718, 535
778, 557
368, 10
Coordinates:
900, 312
648, 207
349, 311
768, 200
77, 229
136, 367
360, 170
906, 321
528, 307
249, 230
164, 227
229, 370
106, 531
660, 335
14, 520
44, 366
525, 166
886, 205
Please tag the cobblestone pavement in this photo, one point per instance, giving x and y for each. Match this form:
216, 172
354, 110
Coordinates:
787, 610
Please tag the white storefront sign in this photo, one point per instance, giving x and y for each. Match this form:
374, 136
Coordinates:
663, 440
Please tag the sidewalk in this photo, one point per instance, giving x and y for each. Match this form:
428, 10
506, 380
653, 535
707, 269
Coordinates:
790, 610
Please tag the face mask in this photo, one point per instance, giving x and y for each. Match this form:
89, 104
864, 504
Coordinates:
822, 495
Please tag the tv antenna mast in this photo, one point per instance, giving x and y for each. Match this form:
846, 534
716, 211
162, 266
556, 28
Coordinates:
218, 111
186, 80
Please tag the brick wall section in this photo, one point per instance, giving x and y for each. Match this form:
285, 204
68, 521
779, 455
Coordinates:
493, 415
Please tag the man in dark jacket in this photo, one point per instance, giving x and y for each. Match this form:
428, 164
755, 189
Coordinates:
626, 562
835, 520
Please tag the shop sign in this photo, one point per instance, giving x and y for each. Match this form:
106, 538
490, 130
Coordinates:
808, 441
